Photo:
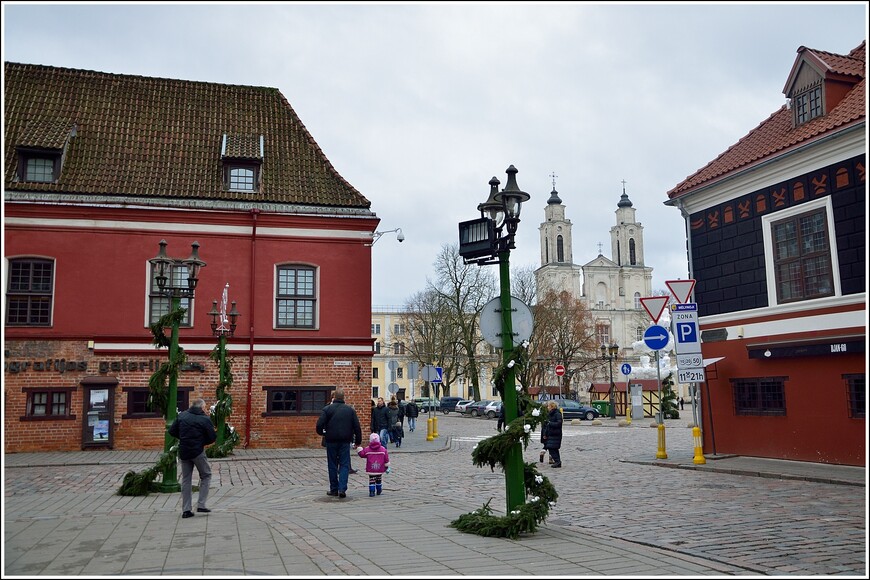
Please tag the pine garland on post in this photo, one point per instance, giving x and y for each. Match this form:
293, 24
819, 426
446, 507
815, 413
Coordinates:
541, 494
224, 406
139, 483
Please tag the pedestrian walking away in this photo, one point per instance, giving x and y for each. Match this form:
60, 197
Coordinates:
339, 424
194, 430
412, 411
500, 424
381, 421
377, 463
551, 434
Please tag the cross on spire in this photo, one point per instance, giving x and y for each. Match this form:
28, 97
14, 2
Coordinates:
623, 186
553, 177
599, 248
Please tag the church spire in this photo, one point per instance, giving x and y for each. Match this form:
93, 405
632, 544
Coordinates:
554, 195
624, 201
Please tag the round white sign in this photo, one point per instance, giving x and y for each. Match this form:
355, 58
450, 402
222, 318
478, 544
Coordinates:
490, 322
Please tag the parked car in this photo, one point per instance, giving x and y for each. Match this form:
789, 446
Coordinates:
574, 410
461, 405
476, 409
424, 404
493, 409
448, 404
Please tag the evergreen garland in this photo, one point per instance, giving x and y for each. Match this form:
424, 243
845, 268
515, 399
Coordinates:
224, 406
540, 493
140, 483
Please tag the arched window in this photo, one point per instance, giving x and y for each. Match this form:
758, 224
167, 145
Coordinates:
546, 251
601, 294
632, 258
618, 253
639, 333
637, 301
560, 249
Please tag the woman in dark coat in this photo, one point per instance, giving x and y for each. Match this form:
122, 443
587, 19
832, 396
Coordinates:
381, 421
551, 435
397, 416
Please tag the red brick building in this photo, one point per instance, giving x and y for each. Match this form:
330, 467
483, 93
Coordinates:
98, 169
776, 239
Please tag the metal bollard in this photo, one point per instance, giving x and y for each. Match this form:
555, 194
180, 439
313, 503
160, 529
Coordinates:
699, 447
434, 426
429, 436
661, 453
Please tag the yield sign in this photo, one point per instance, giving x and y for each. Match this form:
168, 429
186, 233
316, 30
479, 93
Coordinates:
654, 306
681, 289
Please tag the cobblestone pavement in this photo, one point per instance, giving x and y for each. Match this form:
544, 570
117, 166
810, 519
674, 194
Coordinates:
614, 516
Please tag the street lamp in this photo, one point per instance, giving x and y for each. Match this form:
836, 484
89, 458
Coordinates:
175, 279
480, 242
220, 329
608, 353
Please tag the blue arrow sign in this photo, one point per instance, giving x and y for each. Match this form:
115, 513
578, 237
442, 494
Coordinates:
655, 337
625, 368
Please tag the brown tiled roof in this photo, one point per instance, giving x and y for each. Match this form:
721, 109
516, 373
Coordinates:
776, 134
155, 137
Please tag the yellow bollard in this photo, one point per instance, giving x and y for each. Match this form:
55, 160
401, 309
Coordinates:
661, 453
699, 447
434, 426
429, 436
628, 414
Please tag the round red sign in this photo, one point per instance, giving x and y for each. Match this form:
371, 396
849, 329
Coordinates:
560, 370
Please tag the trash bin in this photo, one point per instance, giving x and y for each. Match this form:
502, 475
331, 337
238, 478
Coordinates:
603, 407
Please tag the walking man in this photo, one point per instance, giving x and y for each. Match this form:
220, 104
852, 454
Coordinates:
339, 424
194, 430
411, 412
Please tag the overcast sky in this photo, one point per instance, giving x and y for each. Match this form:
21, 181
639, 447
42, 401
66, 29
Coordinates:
419, 105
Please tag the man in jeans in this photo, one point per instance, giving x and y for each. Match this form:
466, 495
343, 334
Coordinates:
339, 425
194, 430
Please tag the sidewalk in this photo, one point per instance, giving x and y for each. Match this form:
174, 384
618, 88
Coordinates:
271, 517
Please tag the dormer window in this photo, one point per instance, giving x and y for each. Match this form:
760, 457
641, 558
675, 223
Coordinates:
242, 159
41, 148
39, 167
807, 105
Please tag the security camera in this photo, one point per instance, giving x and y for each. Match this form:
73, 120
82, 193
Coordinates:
401, 237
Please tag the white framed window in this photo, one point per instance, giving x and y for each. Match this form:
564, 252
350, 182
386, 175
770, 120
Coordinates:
295, 296
159, 303
800, 251
376, 328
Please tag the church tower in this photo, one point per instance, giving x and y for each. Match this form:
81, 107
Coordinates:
558, 271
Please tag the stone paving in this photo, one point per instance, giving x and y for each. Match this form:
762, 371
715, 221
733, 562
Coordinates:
617, 514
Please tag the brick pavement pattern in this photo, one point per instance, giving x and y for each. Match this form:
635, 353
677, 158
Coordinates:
618, 513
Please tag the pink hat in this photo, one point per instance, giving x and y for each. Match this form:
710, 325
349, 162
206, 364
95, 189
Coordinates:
374, 437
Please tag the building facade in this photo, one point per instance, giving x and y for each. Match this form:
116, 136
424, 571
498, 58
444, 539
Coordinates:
776, 229
99, 168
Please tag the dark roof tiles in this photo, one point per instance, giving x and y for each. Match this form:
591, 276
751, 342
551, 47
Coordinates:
143, 136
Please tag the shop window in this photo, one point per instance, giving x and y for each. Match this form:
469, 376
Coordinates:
139, 407
296, 400
759, 396
855, 393
48, 403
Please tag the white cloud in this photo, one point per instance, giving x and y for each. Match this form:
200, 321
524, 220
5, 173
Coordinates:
419, 105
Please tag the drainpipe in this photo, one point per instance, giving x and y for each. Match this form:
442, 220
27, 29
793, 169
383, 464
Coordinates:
254, 213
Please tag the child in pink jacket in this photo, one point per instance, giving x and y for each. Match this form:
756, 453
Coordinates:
377, 463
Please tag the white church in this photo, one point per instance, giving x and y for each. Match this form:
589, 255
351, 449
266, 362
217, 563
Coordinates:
610, 287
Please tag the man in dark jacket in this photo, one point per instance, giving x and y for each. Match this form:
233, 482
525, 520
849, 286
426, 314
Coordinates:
411, 412
339, 425
194, 430
381, 421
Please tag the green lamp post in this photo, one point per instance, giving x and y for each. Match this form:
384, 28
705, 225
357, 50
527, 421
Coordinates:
175, 279
480, 241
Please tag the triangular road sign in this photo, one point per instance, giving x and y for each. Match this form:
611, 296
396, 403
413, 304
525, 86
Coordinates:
654, 306
681, 289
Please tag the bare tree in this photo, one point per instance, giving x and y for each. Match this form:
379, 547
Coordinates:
564, 334
465, 289
433, 337
524, 285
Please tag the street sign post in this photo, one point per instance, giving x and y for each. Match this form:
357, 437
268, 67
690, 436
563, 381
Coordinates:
687, 343
654, 306
655, 337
